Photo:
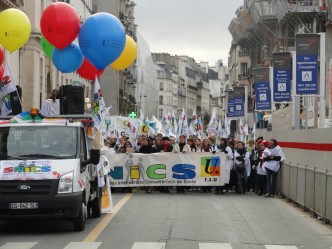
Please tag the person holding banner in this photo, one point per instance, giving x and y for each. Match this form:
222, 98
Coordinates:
190, 142
183, 148
166, 147
197, 143
241, 157
158, 144
172, 140
206, 147
147, 148
223, 146
127, 148
119, 145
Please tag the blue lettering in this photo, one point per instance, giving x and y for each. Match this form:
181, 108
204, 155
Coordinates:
117, 173
184, 171
45, 168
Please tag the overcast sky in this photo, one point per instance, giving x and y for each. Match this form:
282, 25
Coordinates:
197, 28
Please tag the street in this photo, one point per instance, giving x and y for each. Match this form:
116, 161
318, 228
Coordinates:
172, 221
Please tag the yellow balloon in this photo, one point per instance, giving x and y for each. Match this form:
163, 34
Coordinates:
128, 55
15, 28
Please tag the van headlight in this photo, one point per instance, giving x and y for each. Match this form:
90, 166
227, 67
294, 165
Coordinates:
66, 183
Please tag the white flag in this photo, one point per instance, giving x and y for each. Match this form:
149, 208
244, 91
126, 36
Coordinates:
7, 84
141, 115
212, 127
174, 124
181, 120
166, 123
194, 127
98, 104
159, 126
227, 126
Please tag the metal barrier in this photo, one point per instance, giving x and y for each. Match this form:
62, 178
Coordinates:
307, 187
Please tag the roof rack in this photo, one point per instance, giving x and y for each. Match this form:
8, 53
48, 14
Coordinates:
84, 118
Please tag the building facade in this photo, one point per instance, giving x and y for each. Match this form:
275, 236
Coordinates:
263, 27
191, 89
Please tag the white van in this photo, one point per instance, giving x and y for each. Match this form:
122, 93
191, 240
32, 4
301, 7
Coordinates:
48, 171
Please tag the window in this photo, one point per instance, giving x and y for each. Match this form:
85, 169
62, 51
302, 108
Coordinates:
83, 145
161, 86
161, 100
38, 142
244, 69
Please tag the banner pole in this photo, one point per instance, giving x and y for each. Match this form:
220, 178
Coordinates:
322, 75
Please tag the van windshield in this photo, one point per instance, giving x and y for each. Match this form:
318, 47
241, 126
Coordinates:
46, 142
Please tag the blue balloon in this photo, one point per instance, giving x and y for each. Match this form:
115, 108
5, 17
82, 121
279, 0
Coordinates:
102, 39
69, 59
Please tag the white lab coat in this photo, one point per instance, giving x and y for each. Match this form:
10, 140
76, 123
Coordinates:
272, 164
246, 161
229, 164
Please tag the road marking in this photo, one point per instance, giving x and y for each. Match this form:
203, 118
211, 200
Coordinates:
280, 247
93, 235
148, 245
19, 245
83, 245
215, 246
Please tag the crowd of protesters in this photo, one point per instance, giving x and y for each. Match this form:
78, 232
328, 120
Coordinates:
251, 166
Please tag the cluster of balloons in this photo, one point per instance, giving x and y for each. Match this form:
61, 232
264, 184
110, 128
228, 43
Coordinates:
15, 31
102, 41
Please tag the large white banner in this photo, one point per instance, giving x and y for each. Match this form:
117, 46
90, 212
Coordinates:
167, 169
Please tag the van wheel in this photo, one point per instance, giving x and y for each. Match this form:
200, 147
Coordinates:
96, 206
79, 221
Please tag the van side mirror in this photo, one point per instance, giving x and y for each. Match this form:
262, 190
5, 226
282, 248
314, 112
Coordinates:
94, 158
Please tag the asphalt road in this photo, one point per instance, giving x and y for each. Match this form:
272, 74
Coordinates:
179, 221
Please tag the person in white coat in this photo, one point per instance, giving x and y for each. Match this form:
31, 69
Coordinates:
241, 156
272, 165
223, 147
51, 106
263, 152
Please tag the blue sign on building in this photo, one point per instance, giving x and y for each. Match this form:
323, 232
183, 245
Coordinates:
236, 100
307, 63
282, 67
262, 89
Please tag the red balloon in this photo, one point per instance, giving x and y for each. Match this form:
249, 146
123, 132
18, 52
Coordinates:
2, 71
60, 24
2, 55
89, 71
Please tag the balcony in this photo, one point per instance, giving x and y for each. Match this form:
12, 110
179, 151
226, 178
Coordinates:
200, 84
193, 88
242, 76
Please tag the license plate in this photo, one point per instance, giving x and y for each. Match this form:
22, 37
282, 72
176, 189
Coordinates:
23, 205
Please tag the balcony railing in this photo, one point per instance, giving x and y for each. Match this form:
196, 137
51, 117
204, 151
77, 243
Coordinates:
193, 87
